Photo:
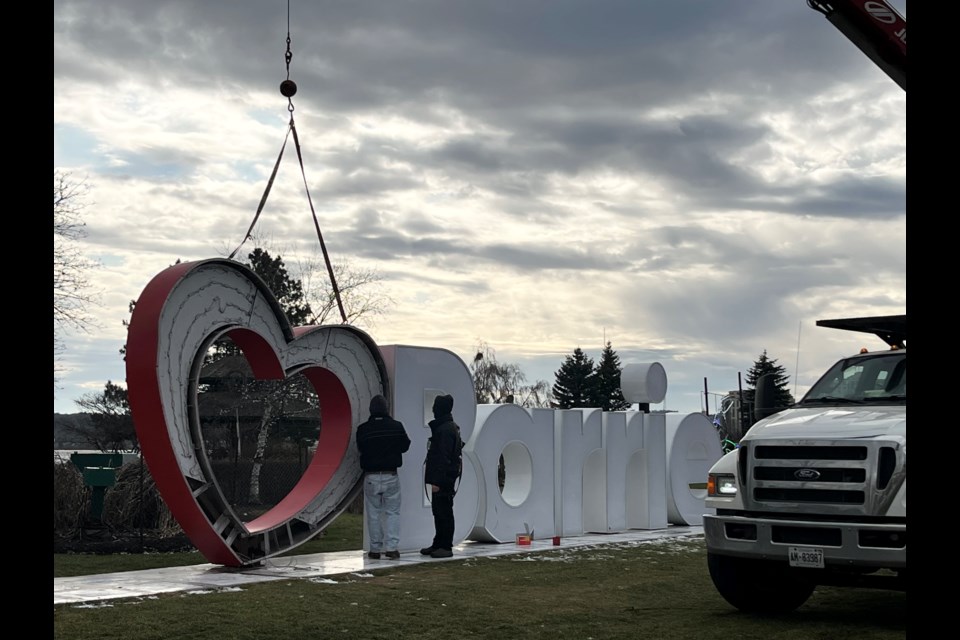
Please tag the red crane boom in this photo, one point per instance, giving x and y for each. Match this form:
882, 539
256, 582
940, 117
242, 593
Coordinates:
875, 27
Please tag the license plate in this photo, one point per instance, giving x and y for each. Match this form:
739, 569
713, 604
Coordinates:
807, 557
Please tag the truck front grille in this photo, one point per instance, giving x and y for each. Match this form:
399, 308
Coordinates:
838, 478
808, 495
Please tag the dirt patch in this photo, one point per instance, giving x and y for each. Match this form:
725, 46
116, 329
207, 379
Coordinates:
109, 542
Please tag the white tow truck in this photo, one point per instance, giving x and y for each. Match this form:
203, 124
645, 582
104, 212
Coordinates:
816, 493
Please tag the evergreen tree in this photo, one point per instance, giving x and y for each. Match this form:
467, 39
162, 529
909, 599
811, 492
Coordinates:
764, 365
575, 382
608, 395
288, 291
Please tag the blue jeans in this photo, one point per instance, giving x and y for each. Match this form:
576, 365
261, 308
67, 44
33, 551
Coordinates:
381, 508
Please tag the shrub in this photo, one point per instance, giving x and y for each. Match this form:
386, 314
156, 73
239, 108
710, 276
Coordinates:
134, 503
70, 499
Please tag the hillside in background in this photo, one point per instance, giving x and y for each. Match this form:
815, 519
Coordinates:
64, 436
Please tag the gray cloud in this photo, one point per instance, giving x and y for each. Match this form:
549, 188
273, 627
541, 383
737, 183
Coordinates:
692, 178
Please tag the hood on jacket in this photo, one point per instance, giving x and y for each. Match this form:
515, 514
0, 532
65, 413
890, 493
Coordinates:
442, 406
378, 406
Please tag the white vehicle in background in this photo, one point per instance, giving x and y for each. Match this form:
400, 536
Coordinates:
816, 494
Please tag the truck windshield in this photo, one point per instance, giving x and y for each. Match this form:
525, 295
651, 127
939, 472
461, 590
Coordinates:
868, 379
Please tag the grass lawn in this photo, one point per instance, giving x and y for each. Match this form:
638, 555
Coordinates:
659, 590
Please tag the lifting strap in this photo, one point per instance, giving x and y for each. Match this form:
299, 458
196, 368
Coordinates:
288, 88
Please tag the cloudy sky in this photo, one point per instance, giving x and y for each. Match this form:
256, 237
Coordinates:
694, 181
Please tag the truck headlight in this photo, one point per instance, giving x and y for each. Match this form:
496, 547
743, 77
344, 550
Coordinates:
721, 484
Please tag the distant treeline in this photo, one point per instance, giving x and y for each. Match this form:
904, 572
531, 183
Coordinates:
64, 430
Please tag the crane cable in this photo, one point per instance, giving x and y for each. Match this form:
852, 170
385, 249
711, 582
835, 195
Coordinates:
288, 88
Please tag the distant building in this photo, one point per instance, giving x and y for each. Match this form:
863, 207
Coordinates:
229, 406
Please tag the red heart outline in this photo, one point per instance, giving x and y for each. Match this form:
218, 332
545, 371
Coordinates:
180, 313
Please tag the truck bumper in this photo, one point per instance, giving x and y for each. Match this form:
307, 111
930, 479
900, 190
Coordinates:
843, 544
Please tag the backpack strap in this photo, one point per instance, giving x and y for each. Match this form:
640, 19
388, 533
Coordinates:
458, 461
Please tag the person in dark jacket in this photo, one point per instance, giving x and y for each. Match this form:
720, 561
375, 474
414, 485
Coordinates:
440, 476
382, 441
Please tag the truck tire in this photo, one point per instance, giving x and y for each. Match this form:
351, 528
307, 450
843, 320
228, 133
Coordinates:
758, 586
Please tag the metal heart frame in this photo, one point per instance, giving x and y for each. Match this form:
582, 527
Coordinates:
180, 313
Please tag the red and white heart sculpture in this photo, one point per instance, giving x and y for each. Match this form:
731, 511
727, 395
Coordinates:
180, 313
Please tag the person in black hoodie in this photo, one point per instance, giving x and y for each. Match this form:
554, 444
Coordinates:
440, 476
382, 441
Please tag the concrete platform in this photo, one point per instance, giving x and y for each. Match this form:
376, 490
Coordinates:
210, 577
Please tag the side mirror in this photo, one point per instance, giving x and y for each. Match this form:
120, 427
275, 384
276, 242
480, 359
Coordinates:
764, 397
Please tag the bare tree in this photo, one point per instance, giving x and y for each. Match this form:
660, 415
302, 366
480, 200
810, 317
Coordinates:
497, 382
73, 294
360, 288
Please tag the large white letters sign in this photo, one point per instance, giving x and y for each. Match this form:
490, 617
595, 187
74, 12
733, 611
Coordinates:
567, 472
692, 448
418, 375
525, 440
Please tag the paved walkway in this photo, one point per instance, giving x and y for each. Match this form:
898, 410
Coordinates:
212, 577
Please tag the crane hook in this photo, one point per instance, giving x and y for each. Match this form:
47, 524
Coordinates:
288, 88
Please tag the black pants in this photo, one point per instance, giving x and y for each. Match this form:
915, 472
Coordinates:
442, 506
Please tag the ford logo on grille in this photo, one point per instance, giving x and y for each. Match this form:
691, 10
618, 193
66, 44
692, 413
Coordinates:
806, 474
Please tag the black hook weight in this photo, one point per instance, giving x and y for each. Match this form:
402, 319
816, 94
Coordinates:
288, 88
